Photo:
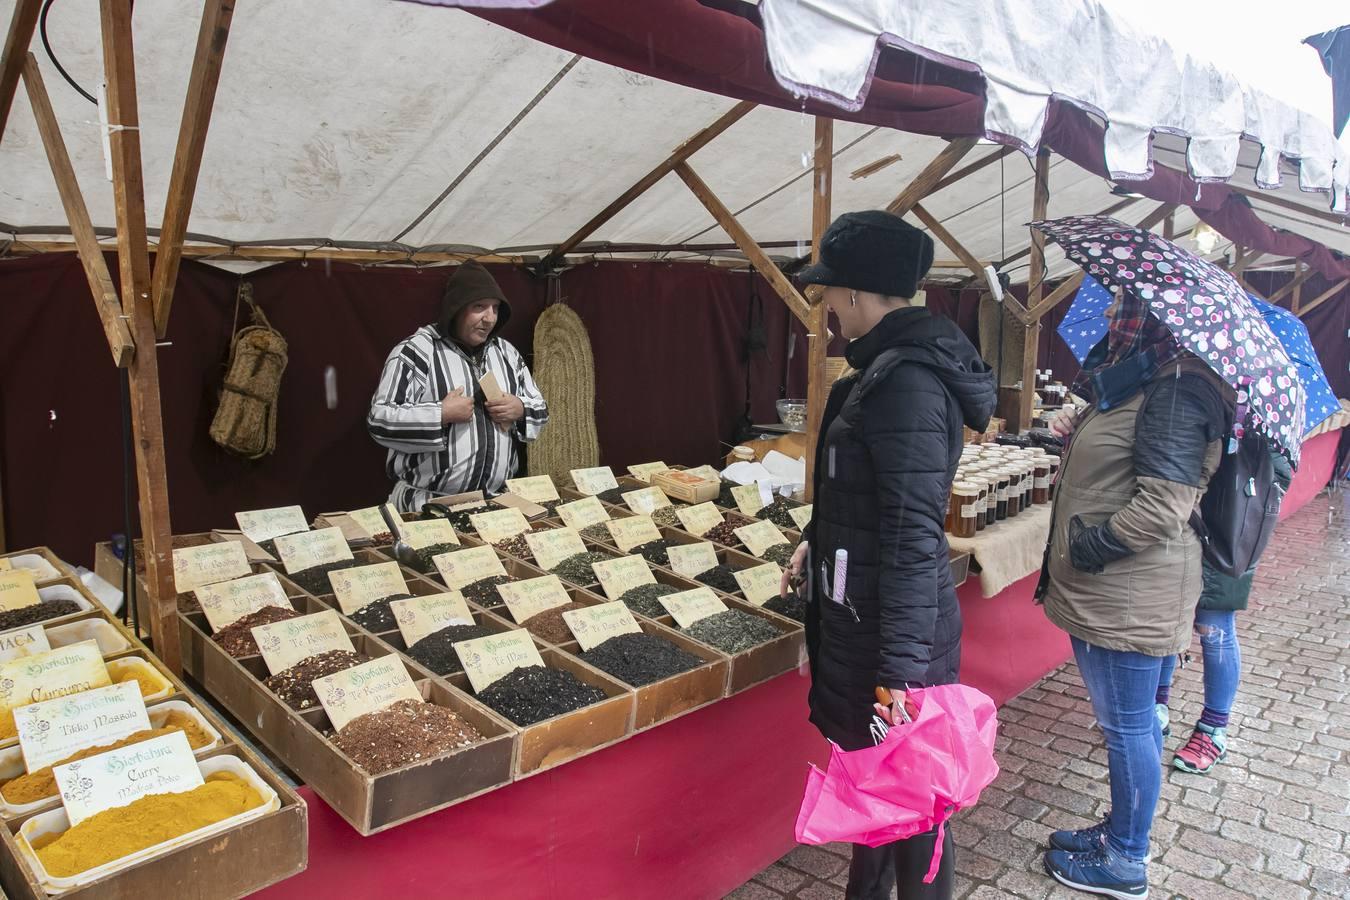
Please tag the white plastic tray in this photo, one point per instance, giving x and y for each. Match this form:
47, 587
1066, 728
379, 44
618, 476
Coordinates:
56, 822
37, 564
64, 592
119, 667
11, 758
109, 639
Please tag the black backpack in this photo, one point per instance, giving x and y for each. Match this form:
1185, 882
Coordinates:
1241, 507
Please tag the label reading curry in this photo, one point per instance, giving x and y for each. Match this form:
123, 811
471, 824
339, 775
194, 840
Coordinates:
487, 659
366, 688
499, 525
266, 524
536, 489
163, 765
312, 548
55, 729
643, 472
23, 642
646, 501
749, 499
51, 674
532, 596
801, 515
691, 560
360, 586
18, 589
633, 531
594, 625
418, 617
229, 601
618, 576
688, 607
553, 545
463, 567
595, 480
283, 644
759, 583
195, 567
581, 514
428, 532
760, 536
699, 519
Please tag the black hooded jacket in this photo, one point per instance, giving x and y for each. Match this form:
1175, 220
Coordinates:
890, 443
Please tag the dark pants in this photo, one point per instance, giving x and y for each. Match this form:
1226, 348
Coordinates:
902, 864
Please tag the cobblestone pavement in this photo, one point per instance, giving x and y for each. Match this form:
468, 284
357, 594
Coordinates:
1270, 822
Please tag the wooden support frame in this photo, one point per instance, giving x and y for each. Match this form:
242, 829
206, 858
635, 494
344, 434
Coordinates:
1036, 279
664, 168
1295, 287
1276, 200
187, 159
280, 254
22, 24
927, 180
818, 335
133, 254
972, 168
758, 258
91, 253
1162, 213
1057, 296
1324, 297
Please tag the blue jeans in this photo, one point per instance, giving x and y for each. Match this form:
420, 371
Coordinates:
1221, 655
1121, 685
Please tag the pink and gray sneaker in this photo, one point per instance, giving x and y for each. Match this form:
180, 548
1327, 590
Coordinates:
1207, 746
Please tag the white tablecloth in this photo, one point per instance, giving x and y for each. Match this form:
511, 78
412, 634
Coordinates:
1009, 551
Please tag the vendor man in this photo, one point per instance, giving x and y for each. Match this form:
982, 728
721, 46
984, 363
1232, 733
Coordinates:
444, 436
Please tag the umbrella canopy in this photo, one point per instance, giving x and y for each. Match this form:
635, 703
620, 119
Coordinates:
1205, 308
1085, 324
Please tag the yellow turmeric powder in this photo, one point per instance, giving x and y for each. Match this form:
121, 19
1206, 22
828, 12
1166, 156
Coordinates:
150, 682
41, 784
114, 833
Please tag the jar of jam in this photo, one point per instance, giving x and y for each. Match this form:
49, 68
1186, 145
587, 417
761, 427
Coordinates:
1054, 473
1001, 497
965, 498
1014, 491
1040, 487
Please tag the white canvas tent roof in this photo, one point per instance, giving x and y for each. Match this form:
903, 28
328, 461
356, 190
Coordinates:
346, 121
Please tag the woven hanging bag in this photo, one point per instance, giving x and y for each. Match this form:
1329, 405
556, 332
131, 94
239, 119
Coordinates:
246, 422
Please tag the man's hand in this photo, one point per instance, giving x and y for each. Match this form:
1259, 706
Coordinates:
456, 408
794, 569
506, 410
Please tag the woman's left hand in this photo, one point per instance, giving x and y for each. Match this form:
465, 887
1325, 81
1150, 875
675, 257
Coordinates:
888, 711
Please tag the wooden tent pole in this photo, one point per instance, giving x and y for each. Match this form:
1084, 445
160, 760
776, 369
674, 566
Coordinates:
758, 258
133, 256
1295, 287
1066, 287
187, 159
91, 254
1324, 297
971, 169
21, 26
926, 181
1036, 279
818, 336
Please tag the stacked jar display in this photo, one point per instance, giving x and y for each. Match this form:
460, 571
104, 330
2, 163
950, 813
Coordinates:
995, 483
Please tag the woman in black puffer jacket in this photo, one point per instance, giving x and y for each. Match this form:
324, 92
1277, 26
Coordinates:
889, 445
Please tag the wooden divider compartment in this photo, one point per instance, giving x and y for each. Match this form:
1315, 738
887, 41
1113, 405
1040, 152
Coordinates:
58, 564
394, 639
576, 595
763, 661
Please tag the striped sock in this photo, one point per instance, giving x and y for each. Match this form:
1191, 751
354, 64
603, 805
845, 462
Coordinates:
1164, 694
1213, 719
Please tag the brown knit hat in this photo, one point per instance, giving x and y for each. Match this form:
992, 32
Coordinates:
469, 284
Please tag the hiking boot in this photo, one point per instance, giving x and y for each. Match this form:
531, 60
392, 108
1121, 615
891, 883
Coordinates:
1164, 718
1207, 746
1100, 872
1084, 840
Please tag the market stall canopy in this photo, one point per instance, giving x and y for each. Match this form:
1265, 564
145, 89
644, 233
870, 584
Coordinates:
403, 125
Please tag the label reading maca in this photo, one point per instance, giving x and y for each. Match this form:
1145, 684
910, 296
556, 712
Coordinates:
18, 589
372, 522
581, 514
633, 532
594, 481
463, 567
553, 545
646, 501
164, 765
366, 688
486, 659
536, 489
801, 515
749, 499
418, 617
23, 642
195, 567
312, 548
699, 519
759, 583
691, 560
495, 527
265, 524
760, 536
55, 729
618, 576
532, 596
643, 472
428, 532
594, 625
361, 586
688, 607
51, 674
229, 601
283, 644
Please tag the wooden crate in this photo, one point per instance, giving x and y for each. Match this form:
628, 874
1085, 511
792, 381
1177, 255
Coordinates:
57, 564
764, 661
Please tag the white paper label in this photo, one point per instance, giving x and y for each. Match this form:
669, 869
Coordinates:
265, 524
595, 480
691, 560
366, 688
418, 617
688, 607
23, 642
55, 729
195, 567
230, 601
164, 765
594, 625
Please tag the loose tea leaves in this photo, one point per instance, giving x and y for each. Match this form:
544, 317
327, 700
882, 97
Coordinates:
577, 569
724, 534
459, 518
376, 616
639, 659
236, 638
515, 546
597, 532
38, 612
315, 579
779, 553
436, 651
484, 590
402, 733
295, 687
613, 496
779, 512
720, 578
732, 631
654, 552
534, 693
725, 499
550, 625
428, 553
667, 517
792, 606
644, 601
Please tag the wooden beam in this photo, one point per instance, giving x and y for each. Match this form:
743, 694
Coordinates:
1170, 226
1295, 286
947, 239
1057, 296
133, 254
21, 26
187, 159
1248, 260
971, 169
926, 181
1036, 280
101, 285
668, 165
818, 338
1109, 211
1324, 297
758, 258
280, 254
1276, 200
1162, 212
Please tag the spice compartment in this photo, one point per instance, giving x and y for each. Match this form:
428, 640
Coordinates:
110, 641
762, 661
43, 563
394, 639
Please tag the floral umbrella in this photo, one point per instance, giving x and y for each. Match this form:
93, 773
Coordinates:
1205, 307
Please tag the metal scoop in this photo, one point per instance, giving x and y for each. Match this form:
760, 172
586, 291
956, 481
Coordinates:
404, 553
